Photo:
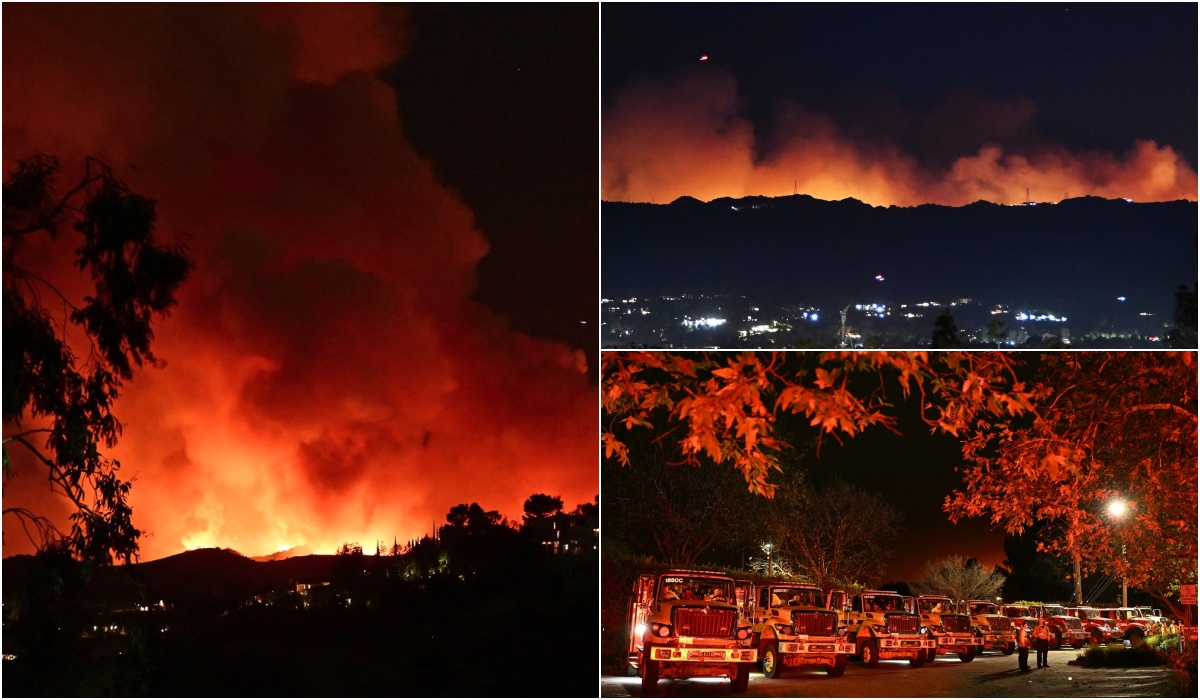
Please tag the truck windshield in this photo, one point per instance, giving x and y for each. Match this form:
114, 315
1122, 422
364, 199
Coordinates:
1087, 614
935, 605
695, 588
882, 603
1016, 611
1054, 610
796, 597
981, 608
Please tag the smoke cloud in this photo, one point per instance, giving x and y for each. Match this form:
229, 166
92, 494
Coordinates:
327, 375
662, 139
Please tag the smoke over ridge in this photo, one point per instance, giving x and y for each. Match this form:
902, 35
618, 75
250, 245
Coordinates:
685, 135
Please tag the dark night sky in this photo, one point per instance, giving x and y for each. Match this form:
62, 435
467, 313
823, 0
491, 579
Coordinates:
514, 131
1100, 76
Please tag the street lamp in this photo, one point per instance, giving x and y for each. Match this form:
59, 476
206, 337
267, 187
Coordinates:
1117, 508
767, 549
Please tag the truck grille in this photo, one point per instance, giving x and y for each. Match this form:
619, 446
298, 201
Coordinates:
704, 622
818, 623
903, 623
956, 623
1073, 623
1000, 623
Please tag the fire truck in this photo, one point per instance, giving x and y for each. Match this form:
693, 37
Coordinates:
882, 628
1130, 623
1098, 629
950, 630
993, 628
685, 624
793, 627
1066, 628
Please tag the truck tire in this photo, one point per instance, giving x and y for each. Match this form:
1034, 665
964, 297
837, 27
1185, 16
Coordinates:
919, 660
930, 655
772, 665
1057, 640
741, 681
1010, 648
868, 650
1097, 638
649, 679
838, 667
1135, 637
967, 657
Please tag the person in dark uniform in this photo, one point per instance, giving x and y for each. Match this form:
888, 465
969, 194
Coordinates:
1023, 642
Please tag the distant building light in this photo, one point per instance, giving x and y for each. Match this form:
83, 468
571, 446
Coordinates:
1120, 298
879, 277
812, 317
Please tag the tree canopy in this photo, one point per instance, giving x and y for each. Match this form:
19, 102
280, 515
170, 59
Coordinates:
728, 403
835, 536
957, 579
65, 391
1107, 428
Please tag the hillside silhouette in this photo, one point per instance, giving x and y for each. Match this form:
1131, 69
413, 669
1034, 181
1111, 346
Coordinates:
1081, 253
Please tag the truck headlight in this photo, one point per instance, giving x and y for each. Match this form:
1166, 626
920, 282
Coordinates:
743, 633
660, 630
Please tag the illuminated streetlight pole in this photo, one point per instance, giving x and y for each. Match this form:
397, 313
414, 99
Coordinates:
767, 547
1117, 509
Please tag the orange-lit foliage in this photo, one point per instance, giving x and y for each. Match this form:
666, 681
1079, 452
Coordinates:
729, 403
666, 139
327, 376
1110, 426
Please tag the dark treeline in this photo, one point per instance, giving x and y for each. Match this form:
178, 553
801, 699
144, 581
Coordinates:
446, 615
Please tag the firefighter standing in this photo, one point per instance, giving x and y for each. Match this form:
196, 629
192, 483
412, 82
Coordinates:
1023, 642
1041, 638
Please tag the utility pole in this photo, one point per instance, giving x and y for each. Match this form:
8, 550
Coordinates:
1124, 582
795, 187
1078, 584
1027, 195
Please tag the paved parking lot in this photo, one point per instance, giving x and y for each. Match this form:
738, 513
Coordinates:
989, 676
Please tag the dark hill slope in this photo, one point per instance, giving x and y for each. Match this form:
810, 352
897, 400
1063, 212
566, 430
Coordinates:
1073, 253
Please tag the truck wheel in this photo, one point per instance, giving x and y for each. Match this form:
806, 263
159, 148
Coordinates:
838, 667
742, 680
772, 667
1057, 640
869, 651
967, 657
1135, 637
1009, 648
649, 679
1097, 638
930, 655
918, 661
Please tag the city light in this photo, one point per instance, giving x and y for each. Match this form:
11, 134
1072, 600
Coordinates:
703, 322
1117, 508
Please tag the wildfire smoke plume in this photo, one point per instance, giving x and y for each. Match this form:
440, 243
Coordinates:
327, 376
662, 139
